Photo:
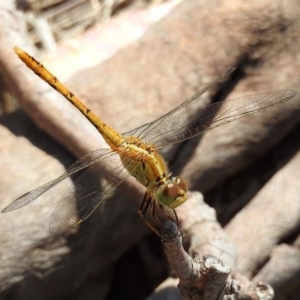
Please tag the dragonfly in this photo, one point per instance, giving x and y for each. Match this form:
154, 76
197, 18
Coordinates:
138, 152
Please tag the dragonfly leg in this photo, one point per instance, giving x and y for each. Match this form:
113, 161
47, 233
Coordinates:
153, 214
144, 205
172, 218
157, 217
147, 204
160, 217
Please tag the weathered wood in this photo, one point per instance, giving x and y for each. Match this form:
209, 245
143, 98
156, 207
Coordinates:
197, 42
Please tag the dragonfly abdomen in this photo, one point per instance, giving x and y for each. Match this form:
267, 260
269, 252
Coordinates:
111, 136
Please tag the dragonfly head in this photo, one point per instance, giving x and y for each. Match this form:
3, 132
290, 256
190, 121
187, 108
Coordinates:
173, 192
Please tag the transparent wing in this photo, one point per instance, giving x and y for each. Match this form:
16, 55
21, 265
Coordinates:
82, 163
157, 125
137, 131
88, 192
185, 121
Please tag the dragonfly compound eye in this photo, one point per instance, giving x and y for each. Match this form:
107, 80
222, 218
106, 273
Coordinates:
181, 183
172, 193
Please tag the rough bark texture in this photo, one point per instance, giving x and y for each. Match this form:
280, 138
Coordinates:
197, 42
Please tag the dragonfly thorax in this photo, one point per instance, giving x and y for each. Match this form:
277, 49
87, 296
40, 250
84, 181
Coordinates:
150, 169
143, 162
173, 192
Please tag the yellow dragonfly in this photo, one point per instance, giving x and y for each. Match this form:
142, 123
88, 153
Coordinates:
137, 151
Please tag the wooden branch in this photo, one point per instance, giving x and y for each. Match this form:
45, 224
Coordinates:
204, 275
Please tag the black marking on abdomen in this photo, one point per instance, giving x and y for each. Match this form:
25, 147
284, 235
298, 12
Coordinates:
53, 86
35, 61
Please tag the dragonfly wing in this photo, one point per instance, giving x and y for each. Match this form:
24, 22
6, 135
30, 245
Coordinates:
183, 124
136, 131
157, 125
150, 129
88, 192
82, 163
